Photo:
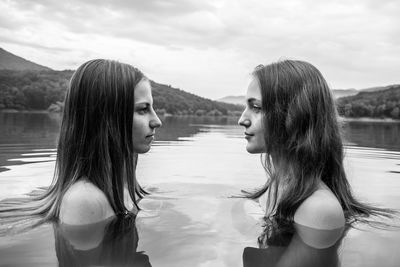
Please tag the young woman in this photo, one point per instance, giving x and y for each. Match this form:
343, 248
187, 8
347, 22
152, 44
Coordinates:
108, 119
291, 117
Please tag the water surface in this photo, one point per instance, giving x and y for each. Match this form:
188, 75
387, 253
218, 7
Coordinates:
190, 219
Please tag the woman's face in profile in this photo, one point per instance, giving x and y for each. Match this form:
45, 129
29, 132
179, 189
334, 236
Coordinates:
251, 119
145, 120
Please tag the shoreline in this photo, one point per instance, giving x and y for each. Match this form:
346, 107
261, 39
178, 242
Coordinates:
24, 111
368, 119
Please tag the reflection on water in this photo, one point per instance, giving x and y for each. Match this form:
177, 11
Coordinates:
112, 242
307, 247
33, 135
108, 243
297, 254
25, 133
373, 134
194, 168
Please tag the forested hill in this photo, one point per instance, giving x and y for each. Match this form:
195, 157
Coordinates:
175, 101
38, 90
378, 104
32, 90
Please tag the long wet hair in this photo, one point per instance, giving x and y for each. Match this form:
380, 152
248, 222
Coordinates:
95, 141
303, 144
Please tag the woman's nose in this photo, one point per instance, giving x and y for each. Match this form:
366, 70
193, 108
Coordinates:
155, 122
243, 121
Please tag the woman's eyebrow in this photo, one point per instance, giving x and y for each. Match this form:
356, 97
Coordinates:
143, 103
252, 100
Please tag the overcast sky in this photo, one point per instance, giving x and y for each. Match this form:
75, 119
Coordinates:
209, 47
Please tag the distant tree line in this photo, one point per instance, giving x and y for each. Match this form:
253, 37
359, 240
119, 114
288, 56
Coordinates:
378, 104
41, 90
32, 90
177, 102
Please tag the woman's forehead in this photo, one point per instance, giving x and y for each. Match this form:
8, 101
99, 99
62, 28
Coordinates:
143, 91
253, 90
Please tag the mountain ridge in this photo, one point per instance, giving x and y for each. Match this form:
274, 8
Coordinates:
382, 103
40, 88
9, 61
337, 93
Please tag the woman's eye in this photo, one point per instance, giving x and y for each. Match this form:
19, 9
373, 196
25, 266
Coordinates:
256, 108
143, 110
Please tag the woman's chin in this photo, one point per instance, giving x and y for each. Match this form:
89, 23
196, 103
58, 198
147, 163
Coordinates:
254, 150
142, 149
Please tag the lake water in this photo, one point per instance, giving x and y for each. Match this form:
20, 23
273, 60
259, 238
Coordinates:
190, 219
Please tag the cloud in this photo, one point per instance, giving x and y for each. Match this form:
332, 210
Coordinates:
149, 21
209, 47
37, 46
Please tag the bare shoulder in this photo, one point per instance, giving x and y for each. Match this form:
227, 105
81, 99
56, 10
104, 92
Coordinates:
320, 220
321, 210
84, 203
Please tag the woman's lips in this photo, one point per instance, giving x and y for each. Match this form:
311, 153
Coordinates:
150, 137
247, 135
